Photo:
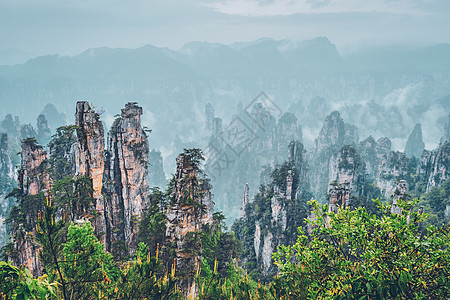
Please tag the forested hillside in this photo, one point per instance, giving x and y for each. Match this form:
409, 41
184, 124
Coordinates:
84, 219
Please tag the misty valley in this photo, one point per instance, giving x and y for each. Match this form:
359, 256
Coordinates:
253, 170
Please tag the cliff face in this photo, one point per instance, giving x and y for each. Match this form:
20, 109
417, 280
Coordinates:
274, 215
254, 138
347, 168
33, 174
91, 145
189, 209
245, 200
33, 177
7, 183
371, 152
126, 177
335, 133
435, 165
399, 194
395, 165
121, 173
415, 144
89, 156
332, 137
287, 131
297, 154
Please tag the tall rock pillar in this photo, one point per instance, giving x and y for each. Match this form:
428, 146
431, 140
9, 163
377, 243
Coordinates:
33, 178
89, 158
126, 177
190, 208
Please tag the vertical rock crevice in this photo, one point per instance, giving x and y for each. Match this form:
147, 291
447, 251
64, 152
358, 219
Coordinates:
126, 180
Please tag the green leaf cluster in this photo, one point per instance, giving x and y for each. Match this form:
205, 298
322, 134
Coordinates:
364, 256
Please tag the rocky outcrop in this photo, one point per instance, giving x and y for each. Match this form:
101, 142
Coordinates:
339, 198
347, 170
335, 133
435, 165
7, 182
189, 209
415, 144
91, 146
11, 126
275, 222
27, 131
287, 131
394, 166
254, 138
33, 177
90, 159
126, 177
297, 154
245, 200
332, 137
372, 152
156, 169
399, 194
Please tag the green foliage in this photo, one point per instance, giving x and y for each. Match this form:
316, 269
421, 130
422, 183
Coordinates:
87, 268
436, 202
18, 284
152, 228
60, 147
193, 157
23, 215
140, 279
362, 256
236, 285
218, 246
75, 196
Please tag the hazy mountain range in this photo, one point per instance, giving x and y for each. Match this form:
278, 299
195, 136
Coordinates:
384, 91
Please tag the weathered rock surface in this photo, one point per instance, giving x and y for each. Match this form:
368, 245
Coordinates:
266, 224
396, 165
33, 177
335, 133
126, 177
33, 174
297, 154
415, 144
399, 194
7, 183
190, 208
90, 158
91, 145
245, 200
371, 152
254, 138
435, 165
27, 131
347, 168
332, 137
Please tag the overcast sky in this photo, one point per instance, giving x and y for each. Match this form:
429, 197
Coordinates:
71, 26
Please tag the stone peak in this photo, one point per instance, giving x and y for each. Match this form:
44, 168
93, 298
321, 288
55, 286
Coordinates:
83, 107
131, 109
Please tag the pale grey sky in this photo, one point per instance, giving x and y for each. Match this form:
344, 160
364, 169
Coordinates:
71, 26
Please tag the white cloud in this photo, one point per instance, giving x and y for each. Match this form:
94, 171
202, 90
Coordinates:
290, 7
